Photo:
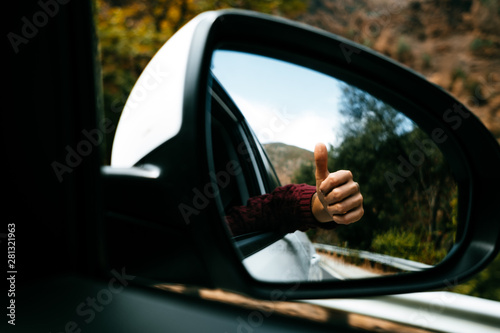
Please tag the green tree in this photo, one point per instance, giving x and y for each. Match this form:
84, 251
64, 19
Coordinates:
405, 180
485, 284
406, 184
305, 174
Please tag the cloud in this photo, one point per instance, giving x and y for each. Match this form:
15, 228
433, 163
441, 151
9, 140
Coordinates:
301, 128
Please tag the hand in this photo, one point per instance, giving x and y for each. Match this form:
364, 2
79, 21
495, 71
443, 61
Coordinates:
337, 196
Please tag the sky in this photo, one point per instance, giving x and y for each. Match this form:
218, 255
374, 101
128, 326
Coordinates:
281, 101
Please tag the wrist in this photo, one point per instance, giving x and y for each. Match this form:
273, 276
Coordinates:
318, 210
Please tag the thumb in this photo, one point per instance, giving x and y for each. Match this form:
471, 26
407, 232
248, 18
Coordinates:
321, 160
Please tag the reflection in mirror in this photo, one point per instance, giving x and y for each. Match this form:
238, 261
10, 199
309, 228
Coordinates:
260, 104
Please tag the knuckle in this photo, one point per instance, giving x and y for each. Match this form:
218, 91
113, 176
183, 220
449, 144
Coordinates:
339, 219
328, 183
339, 208
335, 194
332, 178
356, 186
359, 200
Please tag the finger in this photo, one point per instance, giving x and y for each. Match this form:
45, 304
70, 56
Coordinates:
346, 205
335, 179
341, 192
321, 161
351, 217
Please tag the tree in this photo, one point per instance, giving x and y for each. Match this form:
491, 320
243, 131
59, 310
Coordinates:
405, 181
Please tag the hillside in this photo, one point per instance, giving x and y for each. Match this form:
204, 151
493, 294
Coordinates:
454, 43
287, 159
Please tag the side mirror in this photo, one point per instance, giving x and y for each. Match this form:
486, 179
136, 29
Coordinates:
186, 151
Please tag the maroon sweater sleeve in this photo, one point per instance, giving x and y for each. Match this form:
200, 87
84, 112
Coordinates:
286, 209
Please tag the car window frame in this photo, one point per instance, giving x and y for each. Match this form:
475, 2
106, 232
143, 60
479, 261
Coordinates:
258, 171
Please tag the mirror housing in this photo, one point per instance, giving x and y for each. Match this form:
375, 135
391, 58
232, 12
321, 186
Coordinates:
471, 150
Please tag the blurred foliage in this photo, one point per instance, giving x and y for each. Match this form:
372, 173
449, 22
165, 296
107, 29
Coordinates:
305, 174
485, 284
131, 32
403, 51
395, 241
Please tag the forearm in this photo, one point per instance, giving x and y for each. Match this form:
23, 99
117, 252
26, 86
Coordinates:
287, 209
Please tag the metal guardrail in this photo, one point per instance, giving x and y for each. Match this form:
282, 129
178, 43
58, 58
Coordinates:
399, 263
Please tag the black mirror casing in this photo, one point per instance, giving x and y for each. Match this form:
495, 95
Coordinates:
154, 225
471, 150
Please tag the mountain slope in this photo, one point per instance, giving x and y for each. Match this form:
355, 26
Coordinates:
286, 159
454, 43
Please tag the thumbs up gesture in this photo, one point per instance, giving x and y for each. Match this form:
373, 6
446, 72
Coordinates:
337, 196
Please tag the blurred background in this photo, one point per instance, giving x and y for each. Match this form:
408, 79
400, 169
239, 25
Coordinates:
453, 43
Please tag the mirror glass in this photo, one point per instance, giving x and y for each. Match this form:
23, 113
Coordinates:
267, 116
